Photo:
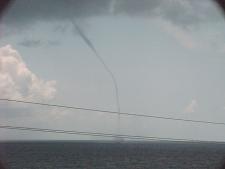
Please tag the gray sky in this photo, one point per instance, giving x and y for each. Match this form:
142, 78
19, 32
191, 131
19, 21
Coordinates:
167, 57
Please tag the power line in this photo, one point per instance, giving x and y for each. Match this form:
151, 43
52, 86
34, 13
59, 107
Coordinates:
97, 134
114, 112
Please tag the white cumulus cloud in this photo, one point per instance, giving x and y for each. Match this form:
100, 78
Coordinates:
17, 81
181, 35
191, 107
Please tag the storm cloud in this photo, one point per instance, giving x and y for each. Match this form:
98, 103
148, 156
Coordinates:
30, 43
34, 43
181, 12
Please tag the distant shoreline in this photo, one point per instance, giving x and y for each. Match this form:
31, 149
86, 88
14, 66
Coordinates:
111, 142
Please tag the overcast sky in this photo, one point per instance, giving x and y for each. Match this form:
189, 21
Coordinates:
168, 58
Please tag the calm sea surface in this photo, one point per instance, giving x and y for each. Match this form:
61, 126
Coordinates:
93, 155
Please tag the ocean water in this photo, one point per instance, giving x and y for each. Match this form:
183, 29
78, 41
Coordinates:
97, 155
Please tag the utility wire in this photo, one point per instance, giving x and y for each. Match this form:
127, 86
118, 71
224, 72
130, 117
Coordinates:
114, 112
97, 134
